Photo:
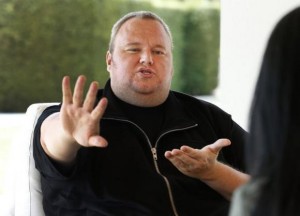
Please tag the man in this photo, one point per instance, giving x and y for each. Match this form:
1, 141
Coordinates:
135, 147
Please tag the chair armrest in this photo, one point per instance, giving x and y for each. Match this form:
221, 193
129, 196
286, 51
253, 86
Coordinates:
24, 196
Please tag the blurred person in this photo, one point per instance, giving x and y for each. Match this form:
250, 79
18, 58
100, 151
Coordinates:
272, 150
135, 147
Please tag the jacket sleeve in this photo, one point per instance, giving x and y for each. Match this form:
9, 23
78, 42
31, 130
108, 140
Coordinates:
46, 166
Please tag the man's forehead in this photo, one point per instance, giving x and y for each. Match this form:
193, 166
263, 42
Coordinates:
136, 27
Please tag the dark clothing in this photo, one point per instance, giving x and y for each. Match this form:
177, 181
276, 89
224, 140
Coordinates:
131, 176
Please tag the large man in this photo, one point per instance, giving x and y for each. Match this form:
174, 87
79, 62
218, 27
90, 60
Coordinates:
135, 147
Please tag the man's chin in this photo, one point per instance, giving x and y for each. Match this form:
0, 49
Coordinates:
146, 90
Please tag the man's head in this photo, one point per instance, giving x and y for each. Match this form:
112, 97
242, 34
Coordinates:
140, 59
136, 14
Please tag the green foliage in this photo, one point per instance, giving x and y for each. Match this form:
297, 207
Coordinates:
199, 71
41, 41
44, 41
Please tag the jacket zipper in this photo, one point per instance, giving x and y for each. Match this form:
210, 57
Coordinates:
154, 155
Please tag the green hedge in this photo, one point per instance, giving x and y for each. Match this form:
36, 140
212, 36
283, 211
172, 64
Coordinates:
45, 40
199, 71
41, 41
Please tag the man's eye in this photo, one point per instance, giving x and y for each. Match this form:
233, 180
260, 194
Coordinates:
133, 50
158, 52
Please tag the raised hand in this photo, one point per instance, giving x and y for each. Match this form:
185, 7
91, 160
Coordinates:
77, 124
80, 117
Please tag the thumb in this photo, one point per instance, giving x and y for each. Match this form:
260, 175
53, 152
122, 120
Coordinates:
218, 145
97, 141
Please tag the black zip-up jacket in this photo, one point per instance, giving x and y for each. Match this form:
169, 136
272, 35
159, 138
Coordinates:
131, 176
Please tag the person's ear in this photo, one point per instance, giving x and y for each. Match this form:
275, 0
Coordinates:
108, 61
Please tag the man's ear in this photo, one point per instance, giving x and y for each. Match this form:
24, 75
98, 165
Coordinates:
108, 61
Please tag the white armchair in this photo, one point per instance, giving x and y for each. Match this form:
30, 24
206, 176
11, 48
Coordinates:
23, 196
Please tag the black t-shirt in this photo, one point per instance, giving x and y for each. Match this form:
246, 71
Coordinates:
149, 119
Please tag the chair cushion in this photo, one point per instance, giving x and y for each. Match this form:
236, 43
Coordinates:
25, 195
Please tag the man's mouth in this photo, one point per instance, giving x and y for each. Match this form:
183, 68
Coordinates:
146, 72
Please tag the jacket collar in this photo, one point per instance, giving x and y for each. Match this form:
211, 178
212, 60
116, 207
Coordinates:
175, 117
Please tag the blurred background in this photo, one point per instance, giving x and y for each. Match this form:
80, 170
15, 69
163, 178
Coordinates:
41, 41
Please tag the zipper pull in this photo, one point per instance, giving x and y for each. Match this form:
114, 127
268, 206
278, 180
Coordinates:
154, 153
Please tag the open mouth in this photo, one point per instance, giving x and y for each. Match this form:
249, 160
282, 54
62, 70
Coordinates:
146, 72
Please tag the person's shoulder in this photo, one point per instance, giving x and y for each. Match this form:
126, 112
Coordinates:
187, 98
197, 103
48, 111
245, 197
200, 109
51, 109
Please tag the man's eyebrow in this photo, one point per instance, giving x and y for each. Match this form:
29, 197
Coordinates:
133, 44
160, 46
137, 44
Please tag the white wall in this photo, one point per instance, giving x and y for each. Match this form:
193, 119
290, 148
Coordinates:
245, 29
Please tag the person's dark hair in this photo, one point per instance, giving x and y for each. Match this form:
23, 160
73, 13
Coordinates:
273, 150
136, 14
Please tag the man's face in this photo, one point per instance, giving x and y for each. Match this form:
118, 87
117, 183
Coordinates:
141, 63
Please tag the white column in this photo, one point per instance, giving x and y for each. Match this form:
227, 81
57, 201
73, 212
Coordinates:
245, 29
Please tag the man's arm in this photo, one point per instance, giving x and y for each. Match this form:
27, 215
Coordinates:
76, 125
225, 179
203, 165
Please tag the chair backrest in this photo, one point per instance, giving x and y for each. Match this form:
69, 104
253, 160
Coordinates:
24, 196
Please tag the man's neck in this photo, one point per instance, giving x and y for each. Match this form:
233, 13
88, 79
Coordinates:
143, 100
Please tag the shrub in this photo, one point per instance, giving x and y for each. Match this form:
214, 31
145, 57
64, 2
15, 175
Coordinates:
199, 71
41, 41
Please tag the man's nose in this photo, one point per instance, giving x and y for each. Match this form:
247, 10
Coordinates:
146, 58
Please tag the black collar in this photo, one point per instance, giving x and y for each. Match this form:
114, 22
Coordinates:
176, 115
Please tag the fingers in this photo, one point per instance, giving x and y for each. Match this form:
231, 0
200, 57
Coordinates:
97, 141
99, 110
78, 91
66, 91
196, 163
192, 152
76, 98
178, 157
90, 99
218, 145
188, 154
